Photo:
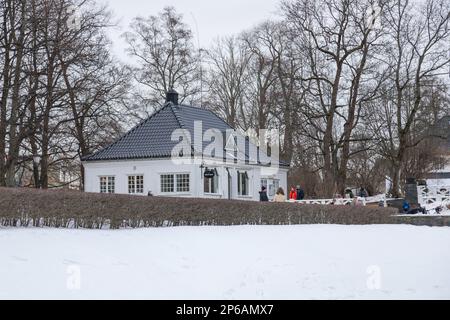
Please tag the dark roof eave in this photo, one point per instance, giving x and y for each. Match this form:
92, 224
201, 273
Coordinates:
87, 159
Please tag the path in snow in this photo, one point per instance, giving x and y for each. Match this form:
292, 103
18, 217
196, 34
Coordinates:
248, 262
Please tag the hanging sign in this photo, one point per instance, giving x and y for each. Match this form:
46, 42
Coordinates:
209, 174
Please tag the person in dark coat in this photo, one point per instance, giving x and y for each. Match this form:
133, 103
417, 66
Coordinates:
363, 193
263, 195
349, 193
300, 194
416, 211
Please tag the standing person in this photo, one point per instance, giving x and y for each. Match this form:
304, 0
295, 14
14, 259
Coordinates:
363, 193
300, 193
349, 194
293, 194
280, 196
263, 195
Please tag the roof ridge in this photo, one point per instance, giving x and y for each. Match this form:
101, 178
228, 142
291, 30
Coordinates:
177, 116
127, 134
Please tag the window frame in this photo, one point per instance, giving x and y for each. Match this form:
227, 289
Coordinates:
212, 183
276, 185
239, 182
264, 182
175, 183
271, 185
170, 182
110, 184
135, 184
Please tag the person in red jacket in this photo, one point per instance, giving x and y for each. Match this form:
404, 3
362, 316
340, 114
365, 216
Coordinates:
293, 194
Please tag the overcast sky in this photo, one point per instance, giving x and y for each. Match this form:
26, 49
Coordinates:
214, 17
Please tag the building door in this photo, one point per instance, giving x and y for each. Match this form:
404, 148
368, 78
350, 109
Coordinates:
271, 185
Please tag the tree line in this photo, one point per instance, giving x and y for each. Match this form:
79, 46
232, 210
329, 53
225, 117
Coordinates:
353, 86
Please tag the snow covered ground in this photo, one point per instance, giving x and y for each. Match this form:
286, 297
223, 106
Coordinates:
248, 262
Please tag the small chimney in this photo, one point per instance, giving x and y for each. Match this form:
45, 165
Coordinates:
172, 96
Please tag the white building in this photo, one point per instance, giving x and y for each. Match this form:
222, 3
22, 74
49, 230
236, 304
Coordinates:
147, 159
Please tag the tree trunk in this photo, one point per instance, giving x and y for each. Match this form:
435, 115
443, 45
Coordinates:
329, 177
5, 93
350, 124
14, 138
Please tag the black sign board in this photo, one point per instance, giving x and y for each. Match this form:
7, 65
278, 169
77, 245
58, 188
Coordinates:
209, 174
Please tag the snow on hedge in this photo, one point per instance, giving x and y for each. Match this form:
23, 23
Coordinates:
247, 262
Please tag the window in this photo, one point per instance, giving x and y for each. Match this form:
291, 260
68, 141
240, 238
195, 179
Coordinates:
180, 181
167, 183
107, 184
183, 183
211, 185
276, 186
243, 183
271, 186
135, 184
264, 183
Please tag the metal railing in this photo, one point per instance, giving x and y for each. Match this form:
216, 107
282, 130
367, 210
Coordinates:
345, 201
433, 194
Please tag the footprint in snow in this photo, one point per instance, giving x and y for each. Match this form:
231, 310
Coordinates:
260, 293
230, 293
19, 259
260, 279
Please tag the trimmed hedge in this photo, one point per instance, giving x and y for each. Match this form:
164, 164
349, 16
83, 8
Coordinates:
430, 221
71, 209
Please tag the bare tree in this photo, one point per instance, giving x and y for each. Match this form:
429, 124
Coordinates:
165, 56
95, 85
16, 31
228, 79
331, 33
417, 52
261, 42
59, 85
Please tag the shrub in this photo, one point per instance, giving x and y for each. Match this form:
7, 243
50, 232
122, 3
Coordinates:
71, 209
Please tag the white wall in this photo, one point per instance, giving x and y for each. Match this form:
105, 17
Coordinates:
438, 182
152, 169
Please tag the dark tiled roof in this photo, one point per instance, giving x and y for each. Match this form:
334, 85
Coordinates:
152, 137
